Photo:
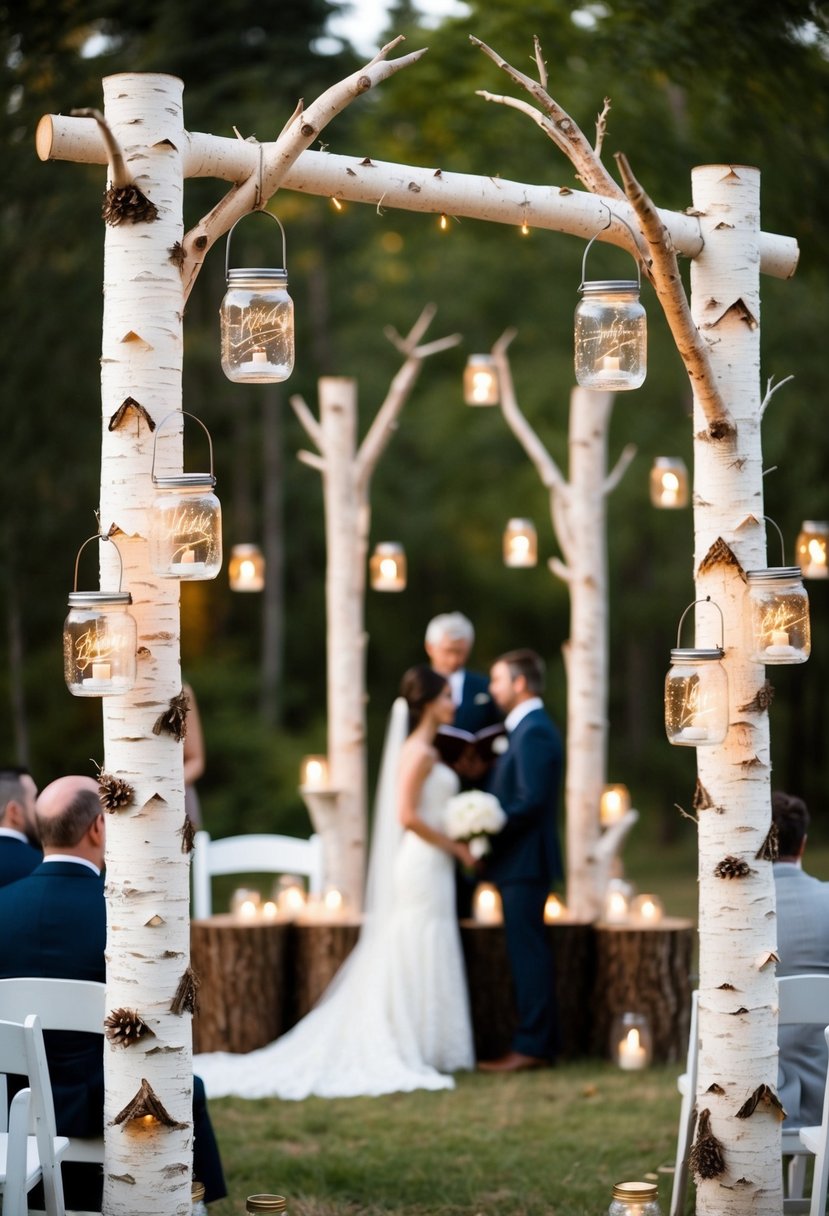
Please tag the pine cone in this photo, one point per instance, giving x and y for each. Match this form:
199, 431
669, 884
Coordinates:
123, 1027
706, 1159
732, 867
113, 793
127, 204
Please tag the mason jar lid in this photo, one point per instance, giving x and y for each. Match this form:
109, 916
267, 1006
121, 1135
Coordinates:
185, 481
98, 599
635, 1190
268, 274
595, 286
691, 654
266, 1203
775, 574
815, 525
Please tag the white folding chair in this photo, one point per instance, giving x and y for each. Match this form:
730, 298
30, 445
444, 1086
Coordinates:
804, 1000
30, 1148
687, 1086
816, 1141
60, 1005
254, 854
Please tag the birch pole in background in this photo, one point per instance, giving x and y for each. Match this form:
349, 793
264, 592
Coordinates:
579, 518
339, 813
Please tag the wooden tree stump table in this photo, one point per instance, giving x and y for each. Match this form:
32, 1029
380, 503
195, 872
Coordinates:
317, 951
241, 968
644, 970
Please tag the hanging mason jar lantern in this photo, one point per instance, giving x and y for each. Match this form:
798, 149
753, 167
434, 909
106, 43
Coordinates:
696, 693
186, 521
480, 381
387, 568
100, 639
610, 331
812, 546
314, 773
257, 321
520, 543
669, 483
246, 568
778, 612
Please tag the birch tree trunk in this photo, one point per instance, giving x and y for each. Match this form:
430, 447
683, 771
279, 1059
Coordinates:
581, 527
738, 1014
148, 1167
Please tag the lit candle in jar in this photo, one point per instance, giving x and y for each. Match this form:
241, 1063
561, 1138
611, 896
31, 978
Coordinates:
554, 909
188, 556
260, 355
333, 901
269, 910
101, 671
486, 905
632, 1055
616, 908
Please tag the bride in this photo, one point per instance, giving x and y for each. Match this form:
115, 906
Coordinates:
396, 1015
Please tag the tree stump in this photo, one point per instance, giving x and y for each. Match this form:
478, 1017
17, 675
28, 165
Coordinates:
242, 973
492, 997
644, 970
317, 951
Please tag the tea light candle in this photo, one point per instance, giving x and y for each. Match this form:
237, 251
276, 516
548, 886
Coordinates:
616, 908
631, 1054
646, 909
554, 909
486, 904
101, 671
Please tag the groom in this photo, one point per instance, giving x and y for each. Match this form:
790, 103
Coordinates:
525, 857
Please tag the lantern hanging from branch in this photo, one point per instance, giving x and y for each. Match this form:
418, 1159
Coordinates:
100, 639
669, 483
387, 569
696, 693
614, 804
257, 321
811, 548
778, 613
246, 569
480, 381
610, 331
186, 521
520, 543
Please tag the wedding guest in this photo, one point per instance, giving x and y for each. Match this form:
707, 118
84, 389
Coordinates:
19, 844
525, 857
59, 917
803, 947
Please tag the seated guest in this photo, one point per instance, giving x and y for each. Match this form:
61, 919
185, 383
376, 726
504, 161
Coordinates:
59, 917
19, 846
803, 947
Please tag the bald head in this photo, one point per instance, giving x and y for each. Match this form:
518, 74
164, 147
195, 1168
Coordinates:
70, 819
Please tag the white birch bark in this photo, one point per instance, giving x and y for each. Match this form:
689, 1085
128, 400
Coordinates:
147, 1169
738, 1022
579, 518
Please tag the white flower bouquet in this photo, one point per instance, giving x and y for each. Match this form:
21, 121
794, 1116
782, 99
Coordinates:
474, 816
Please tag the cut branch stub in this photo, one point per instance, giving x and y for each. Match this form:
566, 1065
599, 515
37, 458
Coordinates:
129, 405
188, 835
770, 848
763, 1095
146, 1106
761, 700
185, 997
174, 719
124, 201
720, 554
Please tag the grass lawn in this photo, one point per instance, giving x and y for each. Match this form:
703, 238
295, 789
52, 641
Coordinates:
550, 1143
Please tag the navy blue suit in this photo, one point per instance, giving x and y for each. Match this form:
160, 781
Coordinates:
17, 859
524, 862
56, 927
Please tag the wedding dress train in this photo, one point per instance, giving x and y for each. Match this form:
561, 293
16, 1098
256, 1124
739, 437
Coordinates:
396, 1016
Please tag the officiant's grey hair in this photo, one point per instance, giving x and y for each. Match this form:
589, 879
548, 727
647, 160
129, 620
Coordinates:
451, 625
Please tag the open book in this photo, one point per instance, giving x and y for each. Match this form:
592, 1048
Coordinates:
452, 743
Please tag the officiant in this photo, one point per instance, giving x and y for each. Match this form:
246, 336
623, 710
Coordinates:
448, 644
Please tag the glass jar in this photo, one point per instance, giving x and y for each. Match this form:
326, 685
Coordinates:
778, 616
610, 336
246, 570
266, 1203
186, 527
257, 326
100, 643
480, 381
696, 698
811, 548
520, 543
387, 568
669, 483
198, 1206
631, 1046
635, 1199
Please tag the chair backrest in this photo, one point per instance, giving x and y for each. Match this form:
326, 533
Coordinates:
22, 1053
254, 854
59, 1004
803, 999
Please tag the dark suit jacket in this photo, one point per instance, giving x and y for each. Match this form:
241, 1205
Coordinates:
477, 708
55, 926
17, 859
526, 780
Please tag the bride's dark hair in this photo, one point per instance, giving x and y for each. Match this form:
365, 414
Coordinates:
420, 686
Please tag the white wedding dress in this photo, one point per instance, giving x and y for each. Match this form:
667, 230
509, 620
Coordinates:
396, 1016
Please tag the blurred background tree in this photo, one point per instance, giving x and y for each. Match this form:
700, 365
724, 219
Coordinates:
689, 84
